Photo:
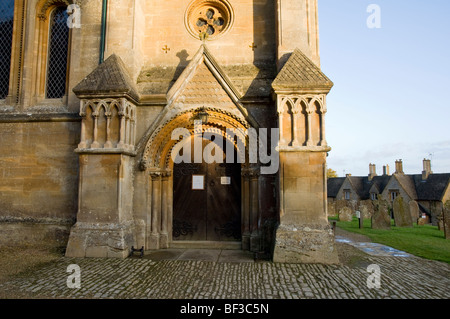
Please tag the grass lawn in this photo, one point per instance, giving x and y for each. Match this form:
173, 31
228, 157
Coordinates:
424, 241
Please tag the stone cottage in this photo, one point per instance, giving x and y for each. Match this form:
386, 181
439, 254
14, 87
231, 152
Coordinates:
430, 191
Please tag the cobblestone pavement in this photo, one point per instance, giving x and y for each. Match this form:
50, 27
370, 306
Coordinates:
400, 277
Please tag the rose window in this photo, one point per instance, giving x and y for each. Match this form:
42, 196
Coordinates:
208, 19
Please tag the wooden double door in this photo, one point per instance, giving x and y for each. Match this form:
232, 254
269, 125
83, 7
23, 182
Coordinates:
207, 201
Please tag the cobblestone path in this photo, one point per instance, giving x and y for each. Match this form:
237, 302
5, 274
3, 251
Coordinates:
167, 279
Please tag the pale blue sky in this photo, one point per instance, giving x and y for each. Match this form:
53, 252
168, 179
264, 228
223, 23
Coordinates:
390, 99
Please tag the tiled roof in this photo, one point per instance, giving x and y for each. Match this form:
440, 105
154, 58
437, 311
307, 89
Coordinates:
433, 187
110, 77
407, 183
380, 182
333, 185
300, 72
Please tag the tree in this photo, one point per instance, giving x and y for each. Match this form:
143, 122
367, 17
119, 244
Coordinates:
331, 173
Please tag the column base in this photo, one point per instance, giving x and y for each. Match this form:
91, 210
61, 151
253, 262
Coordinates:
305, 244
246, 241
255, 242
163, 241
100, 240
153, 242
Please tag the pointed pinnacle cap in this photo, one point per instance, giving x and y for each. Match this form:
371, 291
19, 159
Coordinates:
109, 78
300, 73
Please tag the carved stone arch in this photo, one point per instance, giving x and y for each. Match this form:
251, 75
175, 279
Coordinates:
284, 105
85, 106
44, 7
100, 105
301, 104
160, 144
313, 101
165, 158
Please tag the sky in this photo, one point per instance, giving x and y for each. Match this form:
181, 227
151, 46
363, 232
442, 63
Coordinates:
390, 97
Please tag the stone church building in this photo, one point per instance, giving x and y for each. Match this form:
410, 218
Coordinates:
101, 102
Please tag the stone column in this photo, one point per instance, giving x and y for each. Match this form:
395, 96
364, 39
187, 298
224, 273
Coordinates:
95, 144
156, 210
121, 143
108, 143
245, 210
280, 112
82, 143
295, 127
323, 111
164, 237
309, 111
255, 237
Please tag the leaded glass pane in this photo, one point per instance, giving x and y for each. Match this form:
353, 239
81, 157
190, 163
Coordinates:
6, 34
58, 53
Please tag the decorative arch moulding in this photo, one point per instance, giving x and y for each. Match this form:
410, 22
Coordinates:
157, 153
43, 6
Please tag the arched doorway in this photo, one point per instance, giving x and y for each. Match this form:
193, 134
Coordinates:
226, 215
207, 198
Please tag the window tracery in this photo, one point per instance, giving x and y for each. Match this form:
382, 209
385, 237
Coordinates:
208, 19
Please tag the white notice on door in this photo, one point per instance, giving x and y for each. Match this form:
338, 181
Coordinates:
225, 180
198, 182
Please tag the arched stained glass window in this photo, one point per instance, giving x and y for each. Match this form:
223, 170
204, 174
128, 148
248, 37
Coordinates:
57, 54
6, 35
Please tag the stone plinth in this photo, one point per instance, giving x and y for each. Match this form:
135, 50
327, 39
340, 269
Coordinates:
100, 240
304, 234
305, 244
105, 226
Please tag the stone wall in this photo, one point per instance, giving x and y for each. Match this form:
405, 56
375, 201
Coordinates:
38, 178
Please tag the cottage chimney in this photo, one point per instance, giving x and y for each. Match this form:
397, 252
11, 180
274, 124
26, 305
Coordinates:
386, 170
399, 167
372, 171
426, 169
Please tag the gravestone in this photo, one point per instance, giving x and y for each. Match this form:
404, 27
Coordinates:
381, 218
441, 222
340, 204
366, 208
345, 214
414, 210
423, 220
402, 215
331, 208
446, 219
